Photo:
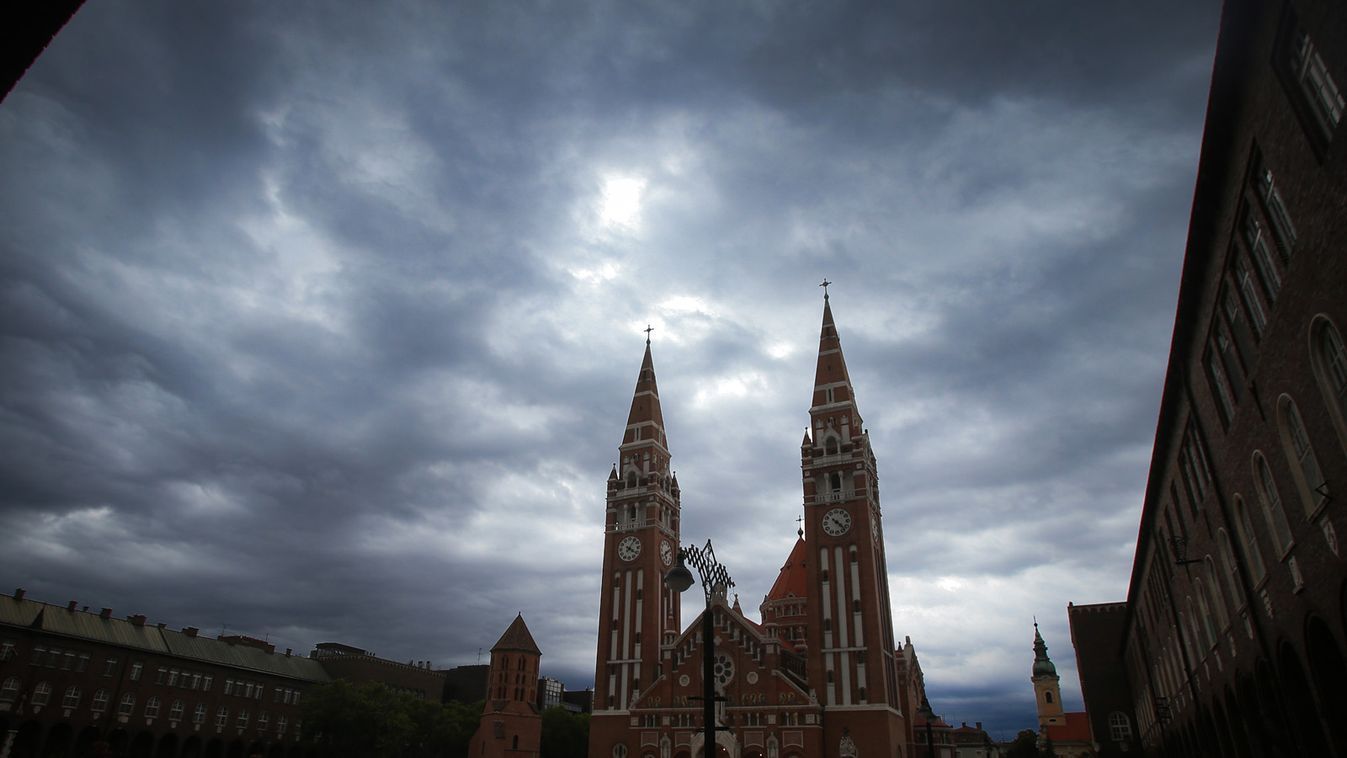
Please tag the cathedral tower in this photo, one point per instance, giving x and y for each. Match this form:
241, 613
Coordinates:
1047, 692
637, 612
849, 634
510, 722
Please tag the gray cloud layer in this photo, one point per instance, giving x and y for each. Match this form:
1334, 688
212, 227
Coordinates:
321, 322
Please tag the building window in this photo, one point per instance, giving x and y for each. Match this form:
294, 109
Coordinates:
1317, 90
1229, 570
1119, 727
1329, 358
100, 701
1257, 239
109, 667
9, 691
135, 672
41, 693
221, 717
1217, 597
127, 706
262, 720
175, 712
1300, 454
1220, 387
1204, 612
72, 697
280, 725
206, 682
6, 650
1249, 294
1248, 541
1193, 463
199, 713
1273, 510
1276, 211
152, 707
242, 721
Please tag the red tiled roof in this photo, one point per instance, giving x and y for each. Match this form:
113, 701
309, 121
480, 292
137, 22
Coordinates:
791, 580
1076, 729
517, 637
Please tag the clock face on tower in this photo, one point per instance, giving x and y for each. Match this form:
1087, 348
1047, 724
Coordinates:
836, 522
629, 548
666, 553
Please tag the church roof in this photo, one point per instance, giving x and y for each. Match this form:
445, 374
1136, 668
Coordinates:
832, 366
646, 416
791, 581
517, 637
1043, 665
1076, 729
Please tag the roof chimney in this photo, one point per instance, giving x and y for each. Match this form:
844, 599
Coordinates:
137, 620
105, 614
190, 631
979, 723
71, 606
18, 593
288, 651
162, 625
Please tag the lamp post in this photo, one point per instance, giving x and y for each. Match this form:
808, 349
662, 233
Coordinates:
713, 576
928, 716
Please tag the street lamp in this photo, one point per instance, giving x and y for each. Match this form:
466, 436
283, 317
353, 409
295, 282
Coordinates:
713, 577
928, 716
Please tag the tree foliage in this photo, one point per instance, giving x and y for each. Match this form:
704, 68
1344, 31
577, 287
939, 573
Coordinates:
372, 721
565, 734
1024, 746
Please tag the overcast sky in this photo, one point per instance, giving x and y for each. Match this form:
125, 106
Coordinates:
320, 321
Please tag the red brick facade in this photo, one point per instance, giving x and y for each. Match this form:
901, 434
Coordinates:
818, 676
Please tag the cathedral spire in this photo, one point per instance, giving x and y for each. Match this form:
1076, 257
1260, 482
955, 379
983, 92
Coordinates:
832, 383
645, 422
1042, 663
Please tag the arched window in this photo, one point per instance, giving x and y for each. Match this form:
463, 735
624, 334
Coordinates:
1328, 355
1271, 500
1217, 598
175, 712
830, 446
41, 693
1300, 454
152, 707
1204, 612
127, 705
1047, 696
1229, 569
1248, 542
835, 482
9, 691
619, 751
72, 697
100, 701
1119, 726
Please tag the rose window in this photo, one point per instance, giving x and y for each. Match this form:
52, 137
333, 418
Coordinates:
723, 670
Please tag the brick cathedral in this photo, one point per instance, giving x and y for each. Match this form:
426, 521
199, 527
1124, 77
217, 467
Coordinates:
819, 676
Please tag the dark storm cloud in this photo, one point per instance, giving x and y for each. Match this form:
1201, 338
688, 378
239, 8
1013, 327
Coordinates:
311, 315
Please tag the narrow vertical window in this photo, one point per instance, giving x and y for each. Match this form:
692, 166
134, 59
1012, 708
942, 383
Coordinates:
1229, 571
1244, 278
1300, 454
1256, 237
1271, 501
1219, 385
1218, 600
1320, 90
1248, 541
1329, 358
1276, 210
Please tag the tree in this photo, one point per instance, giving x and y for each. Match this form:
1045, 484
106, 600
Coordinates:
1024, 746
565, 734
372, 721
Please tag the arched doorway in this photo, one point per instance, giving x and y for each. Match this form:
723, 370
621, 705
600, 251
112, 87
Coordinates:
1329, 671
191, 747
168, 746
86, 742
1304, 714
58, 742
27, 741
1234, 724
142, 746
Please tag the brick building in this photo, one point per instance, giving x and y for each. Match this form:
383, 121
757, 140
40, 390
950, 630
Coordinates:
819, 675
1097, 634
71, 678
511, 726
1235, 623
415, 678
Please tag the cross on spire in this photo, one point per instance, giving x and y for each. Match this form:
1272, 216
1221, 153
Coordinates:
824, 284
648, 330
800, 520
